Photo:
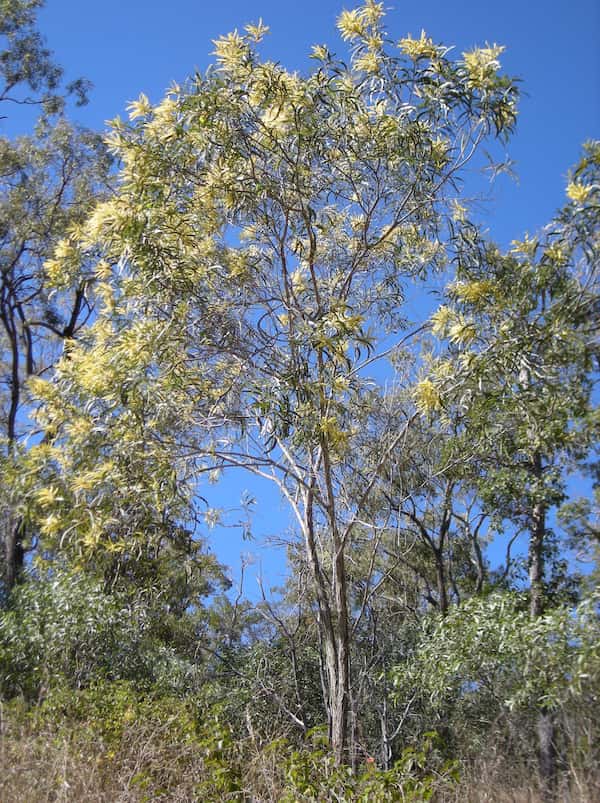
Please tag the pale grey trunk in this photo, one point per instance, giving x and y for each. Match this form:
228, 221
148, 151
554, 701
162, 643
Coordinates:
335, 637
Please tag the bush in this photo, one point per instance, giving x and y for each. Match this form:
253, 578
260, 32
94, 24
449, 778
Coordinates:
63, 629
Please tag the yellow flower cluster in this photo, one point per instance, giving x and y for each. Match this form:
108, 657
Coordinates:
139, 108
47, 496
482, 64
367, 62
578, 192
439, 152
447, 322
441, 319
422, 48
258, 31
230, 50
352, 24
474, 292
427, 397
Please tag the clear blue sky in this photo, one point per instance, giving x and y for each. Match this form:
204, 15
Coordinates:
135, 46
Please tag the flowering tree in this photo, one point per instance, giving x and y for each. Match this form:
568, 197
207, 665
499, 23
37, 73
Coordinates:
253, 264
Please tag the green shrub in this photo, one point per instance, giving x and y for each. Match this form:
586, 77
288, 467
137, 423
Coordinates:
63, 629
311, 774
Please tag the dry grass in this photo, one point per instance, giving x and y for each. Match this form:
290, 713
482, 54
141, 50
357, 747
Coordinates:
495, 783
45, 766
48, 768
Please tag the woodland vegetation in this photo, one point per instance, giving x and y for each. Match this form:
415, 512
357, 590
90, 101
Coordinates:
220, 285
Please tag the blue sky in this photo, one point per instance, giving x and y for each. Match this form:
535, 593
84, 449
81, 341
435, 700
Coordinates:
135, 46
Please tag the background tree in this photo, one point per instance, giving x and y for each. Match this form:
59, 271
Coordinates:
49, 183
28, 73
524, 329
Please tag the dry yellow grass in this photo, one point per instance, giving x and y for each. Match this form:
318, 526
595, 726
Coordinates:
49, 766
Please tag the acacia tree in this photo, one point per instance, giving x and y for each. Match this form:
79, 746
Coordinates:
49, 182
259, 241
522, 328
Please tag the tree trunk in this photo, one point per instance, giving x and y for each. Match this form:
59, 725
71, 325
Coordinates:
545, 726
440, 575
341, 704
332, 621
536, 561
547, 755
14, 554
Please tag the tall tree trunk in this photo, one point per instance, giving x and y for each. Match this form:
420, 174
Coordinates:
340, 708
334, 631
536, 561
545, 726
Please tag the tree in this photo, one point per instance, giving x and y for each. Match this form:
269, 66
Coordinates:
49, 183
263, 227
487, 668
26, 65
522, 328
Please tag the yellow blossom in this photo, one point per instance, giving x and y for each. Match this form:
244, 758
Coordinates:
230, 50
299, 281
139, 108
373, 11
47, 496
367, 62
473, 292
320, 52
422, 48
482, 64
351, 24
258, 31
441, 319
578, 192
51, 525
462, 332
103, 270
459, 212
426, 396
526, 247
341, 384
439, 152
556, 253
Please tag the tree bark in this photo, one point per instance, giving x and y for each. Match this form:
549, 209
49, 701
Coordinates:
536, 561
545, 725
442, 591
333, 626
14, 554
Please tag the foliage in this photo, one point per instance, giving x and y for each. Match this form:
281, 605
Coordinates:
63, 628
26, 65
523, 378
49, 182
488, 656
313, 775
